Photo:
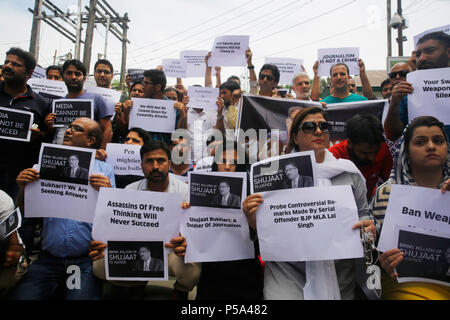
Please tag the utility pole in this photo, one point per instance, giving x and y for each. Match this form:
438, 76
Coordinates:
89, 34
400, 29
389, 34
36, 29
108, 19
78, 35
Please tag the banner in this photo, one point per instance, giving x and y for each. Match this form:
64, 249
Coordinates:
215, 227
63, 189
50, 89
431, 96
125, 159
15, 124
153, 115
288, 67
67, 110
39, 73
194, 60
229, 51
331, 56
276, 115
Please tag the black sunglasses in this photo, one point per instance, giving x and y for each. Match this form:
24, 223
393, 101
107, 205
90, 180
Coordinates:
311, 127
402, 74
268, 77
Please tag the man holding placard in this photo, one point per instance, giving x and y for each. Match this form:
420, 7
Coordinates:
155, 162
432, 52
104, 73
15, 94
65, 242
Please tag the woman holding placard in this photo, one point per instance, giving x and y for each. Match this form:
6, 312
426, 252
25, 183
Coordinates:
423, 159
330, 279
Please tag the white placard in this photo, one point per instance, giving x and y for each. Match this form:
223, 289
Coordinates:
431, 96
153, 115
56, 194
111, 96
417, 207
194, 60
51, 89
39, 72
288, 67
213, 230
125, 159
308, 225
15, 124
330, 56
445, 29
130, 215
229, 51
203, 97
174, 68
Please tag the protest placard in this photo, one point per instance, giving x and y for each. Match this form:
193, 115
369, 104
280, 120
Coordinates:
445, 29
275, 115
431, 95
15, 124
67, 110
174, 68
426, 256
311, 225
194, 60
10, 223
125, 159
111, 96
203, 97
63, 189
215, 226
135, 217
411, 206
153, 115
50, 89
39, 72
330, 56
229, 51
290, 171
136, 74
288, 67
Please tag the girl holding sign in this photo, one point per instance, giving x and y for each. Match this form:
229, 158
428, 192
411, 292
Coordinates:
423, 159
315, 280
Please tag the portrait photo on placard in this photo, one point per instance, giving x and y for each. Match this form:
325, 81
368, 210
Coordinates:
135, 259
216, 191
290, 173
10, 223
425, 256
65, 165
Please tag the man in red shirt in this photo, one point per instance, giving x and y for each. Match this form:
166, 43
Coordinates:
366, 148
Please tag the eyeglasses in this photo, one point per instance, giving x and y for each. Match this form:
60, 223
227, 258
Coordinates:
402, 74
311, 127
265, 76
99, 71
352, 85
75, 127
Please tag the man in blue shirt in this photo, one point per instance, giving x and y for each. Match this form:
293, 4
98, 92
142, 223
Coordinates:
65, 242
339, 82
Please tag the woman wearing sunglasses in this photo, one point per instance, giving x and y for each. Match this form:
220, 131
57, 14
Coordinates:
330, 280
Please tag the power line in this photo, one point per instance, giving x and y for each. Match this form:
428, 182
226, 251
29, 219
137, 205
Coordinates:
209, 29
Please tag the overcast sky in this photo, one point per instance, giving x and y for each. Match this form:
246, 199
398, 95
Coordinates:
280, 28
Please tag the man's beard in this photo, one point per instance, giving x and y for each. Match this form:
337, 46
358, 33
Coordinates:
357, 161
305, 95
156, 178
12, 80
74, 87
